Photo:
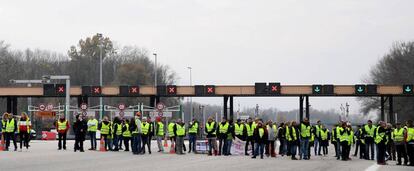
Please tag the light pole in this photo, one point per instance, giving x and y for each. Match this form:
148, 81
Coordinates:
155, 75
191, 99
99, 35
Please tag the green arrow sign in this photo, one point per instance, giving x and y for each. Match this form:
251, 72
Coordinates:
360, 89
317, 89
408, 89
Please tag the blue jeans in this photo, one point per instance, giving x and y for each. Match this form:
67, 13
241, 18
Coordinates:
115, 142
304, 146
293, 150
316, 147
92, 134
229, 143
192, 141
136, 143
259, 149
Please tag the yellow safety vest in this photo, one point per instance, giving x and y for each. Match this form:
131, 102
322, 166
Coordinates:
92, 125
160, 129
410, 134
171, 129
238, 129
118, 129
105, 128
324, 134
10, 126
261, 132
351, 137
62, 125
344, 136
317, 130
398, 135
127, 132
370, 131
287, 134
305, 131
180, 130
250, 129
223, 128
210, 127
194, 128
145, 128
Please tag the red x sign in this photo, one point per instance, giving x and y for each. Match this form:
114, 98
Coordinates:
61, 89
210, 90
171, 89
97, 90
275, 88
134, 89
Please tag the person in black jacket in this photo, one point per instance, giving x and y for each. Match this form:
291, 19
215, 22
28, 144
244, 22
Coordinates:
260, 137
80, 128
381, 144
281, 135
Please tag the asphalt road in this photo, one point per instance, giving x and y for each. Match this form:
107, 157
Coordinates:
44, 156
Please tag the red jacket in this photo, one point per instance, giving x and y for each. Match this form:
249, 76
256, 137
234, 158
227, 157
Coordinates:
62, 131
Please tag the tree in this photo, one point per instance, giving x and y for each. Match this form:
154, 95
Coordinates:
395, 68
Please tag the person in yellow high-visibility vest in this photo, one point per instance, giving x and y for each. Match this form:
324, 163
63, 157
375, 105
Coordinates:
292, 137
105, 128
62, 126
126, 134
250, 126
325, 136
210, 130
344, 139
11, 128
159, 133
410, 141
381, 140
192, 135
179, 131
398, 137
92, 128
117, 133
145, 126
240, 130
222, 135
368, 132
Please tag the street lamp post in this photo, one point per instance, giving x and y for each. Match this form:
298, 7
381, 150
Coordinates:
155, 75
99, 35
191, 99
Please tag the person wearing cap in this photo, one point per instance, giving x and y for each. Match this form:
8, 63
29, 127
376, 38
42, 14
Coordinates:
398, 138
192, 135
159, 132
368, 132
145, 135
10, 129
62, 126
24, 127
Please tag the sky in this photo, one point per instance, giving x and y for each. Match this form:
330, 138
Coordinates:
228, 41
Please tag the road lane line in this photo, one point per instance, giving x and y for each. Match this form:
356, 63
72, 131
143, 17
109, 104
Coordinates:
373, 167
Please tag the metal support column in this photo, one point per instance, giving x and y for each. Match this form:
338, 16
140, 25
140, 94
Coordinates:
231, 108
307, 107
226, 99
300, 108
391, 110
382, 117
9, 104
14, 105
152, 101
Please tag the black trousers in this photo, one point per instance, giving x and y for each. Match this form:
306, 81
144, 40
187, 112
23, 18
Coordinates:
126, 143
345, 150
222, 145
282, 146
145, 142
79, 142
401, 153
357, 145
246, 147
62, 138
9, 137
24, 139
381, 152
410, 152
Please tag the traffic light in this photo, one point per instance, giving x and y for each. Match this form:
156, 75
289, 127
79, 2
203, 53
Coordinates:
274, 88
360, 89
408, 89
96, 90
60, 89
316, 89
260, 88
86, 90
371, 89
124, 90
199, 90
162, 90
328, 89
210, 90
49, 90
171, 89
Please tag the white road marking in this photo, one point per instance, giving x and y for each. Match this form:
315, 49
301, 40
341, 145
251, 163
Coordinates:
373, 167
